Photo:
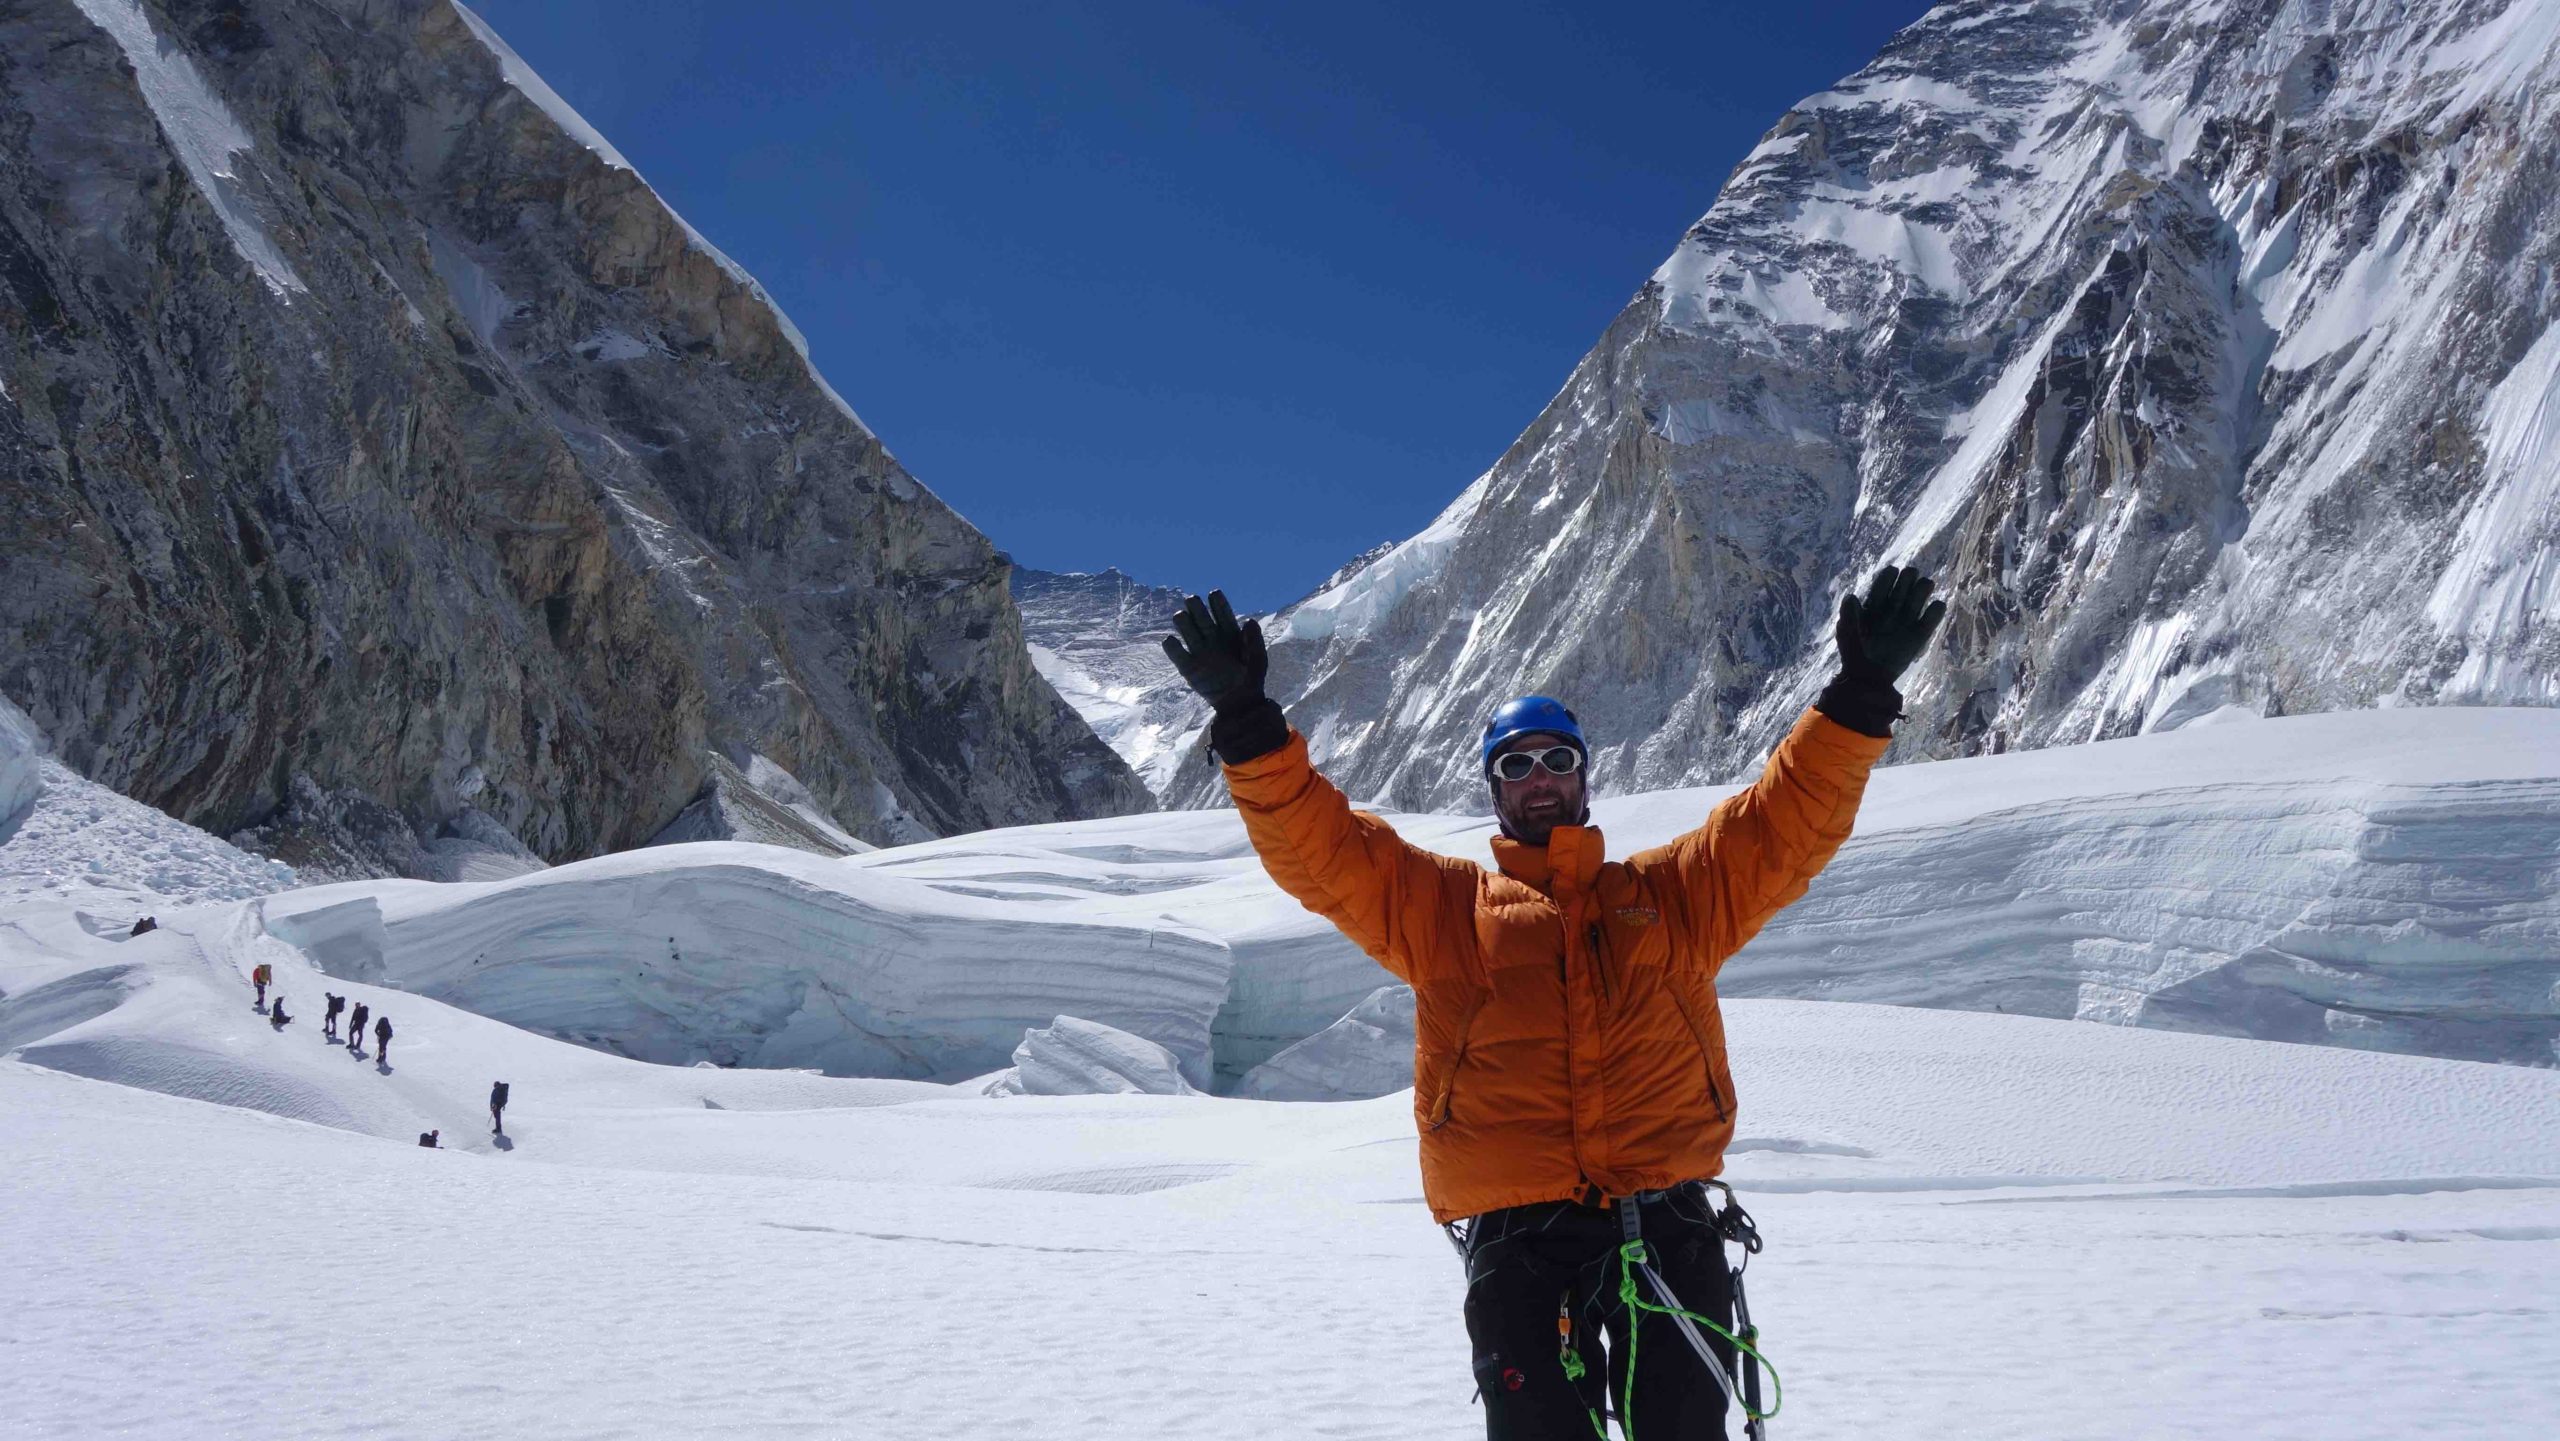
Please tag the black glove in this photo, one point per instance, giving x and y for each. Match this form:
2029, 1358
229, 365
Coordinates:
1225, 663
1218, 658
1879, 638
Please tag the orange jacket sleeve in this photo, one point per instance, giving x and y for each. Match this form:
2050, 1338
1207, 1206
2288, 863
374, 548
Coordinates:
1762, 846
1392, 898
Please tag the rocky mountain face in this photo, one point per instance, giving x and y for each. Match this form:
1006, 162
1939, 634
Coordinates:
385, 466
1099, 639
2202, 350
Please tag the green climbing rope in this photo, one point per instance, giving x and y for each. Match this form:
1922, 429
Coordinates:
1630, 1256
1574, 1370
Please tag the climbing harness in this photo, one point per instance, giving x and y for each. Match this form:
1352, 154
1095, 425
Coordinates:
1635, 1262
1733, 1224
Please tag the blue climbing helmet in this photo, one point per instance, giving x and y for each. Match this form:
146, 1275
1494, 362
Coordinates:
1528, 715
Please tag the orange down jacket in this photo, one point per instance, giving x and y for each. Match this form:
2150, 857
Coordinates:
1568, 1042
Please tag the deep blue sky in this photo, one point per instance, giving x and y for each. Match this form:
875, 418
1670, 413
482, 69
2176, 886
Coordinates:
1219, 294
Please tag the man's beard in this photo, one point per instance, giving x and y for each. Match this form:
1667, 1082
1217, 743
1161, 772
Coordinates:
1533, 827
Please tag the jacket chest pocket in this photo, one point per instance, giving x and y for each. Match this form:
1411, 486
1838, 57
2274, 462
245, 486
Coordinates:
1630, 950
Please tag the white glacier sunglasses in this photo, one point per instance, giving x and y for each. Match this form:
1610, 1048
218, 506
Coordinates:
1517, 765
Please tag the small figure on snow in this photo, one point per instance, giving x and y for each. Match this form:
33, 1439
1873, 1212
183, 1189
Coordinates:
498, 1108
146, 924
428, 1140
355, 1030
263, 974
382, 1040
275, 1013
329, 1020
1583, 1129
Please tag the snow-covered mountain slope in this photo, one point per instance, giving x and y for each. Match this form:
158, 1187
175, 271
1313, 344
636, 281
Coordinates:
390, 466
1099, 639
2201, 349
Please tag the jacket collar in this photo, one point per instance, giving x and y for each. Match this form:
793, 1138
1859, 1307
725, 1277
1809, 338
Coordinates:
1570, 859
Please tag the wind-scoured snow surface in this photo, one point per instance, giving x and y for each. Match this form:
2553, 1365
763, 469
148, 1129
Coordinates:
2129, 1232
2202, 350
2132, 1233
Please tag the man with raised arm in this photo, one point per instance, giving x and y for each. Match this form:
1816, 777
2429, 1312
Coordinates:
1569, 1059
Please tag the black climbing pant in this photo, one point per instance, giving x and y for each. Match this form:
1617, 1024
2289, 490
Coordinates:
1528, 1266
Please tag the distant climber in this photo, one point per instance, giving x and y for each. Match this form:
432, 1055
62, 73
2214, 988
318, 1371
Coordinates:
355, 1030
428, 1140
275, 1013
147, 923
498, 1108
263, 974
1570, 1150
329, 1021
382, 1040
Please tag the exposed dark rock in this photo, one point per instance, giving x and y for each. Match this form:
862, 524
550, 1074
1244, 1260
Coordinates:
372, 439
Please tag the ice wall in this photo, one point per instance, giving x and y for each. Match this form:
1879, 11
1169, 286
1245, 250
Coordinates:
762, 956
2382, 880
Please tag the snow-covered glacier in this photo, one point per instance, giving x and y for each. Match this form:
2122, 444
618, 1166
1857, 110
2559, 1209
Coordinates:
2382, 880
751, 955
2385, 880
2160, 1222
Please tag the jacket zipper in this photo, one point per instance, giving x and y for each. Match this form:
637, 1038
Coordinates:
1600, 963
1706, 1057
